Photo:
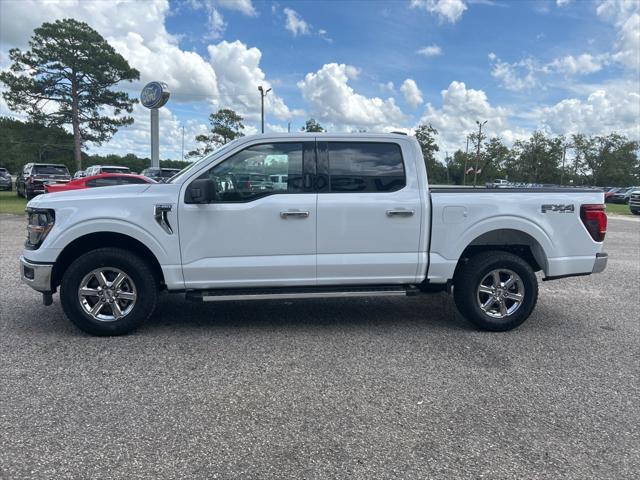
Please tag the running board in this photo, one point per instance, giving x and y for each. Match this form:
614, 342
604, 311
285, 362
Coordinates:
224, 295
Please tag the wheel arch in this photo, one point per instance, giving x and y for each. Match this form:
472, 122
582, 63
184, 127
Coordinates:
510, 240
95, 240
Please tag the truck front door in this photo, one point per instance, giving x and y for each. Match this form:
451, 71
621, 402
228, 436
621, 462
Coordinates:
257, 232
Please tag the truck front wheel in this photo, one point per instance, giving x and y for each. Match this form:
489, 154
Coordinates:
495, 290
108, 291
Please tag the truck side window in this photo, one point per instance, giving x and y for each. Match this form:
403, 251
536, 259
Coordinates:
249, 174
365, 167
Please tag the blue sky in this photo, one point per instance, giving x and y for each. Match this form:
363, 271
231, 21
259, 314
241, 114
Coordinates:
563, 66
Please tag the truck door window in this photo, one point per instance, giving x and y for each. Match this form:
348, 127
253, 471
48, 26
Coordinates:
249, 174
365, 167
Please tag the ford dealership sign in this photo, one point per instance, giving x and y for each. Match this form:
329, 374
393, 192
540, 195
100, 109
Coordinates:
154, 94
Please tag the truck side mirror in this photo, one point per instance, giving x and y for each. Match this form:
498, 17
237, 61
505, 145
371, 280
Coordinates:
202, 190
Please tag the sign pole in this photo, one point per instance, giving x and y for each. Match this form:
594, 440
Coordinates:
153, 96
155, 138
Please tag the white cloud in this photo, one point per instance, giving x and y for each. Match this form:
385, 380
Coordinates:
563, 3
135, 29
136, 138
526, 74
411, 92
514, 76
461, 107
583, 64
295, 24
625, 16
388, 87
239, 74
449, 10
334, 101
216, 24
242, 6
430, 51
614, 108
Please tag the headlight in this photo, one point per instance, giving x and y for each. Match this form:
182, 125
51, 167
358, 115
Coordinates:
38, 227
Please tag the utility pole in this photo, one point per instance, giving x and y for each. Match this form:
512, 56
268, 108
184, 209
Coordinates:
289, 127
263, 93
564, 154
466, 155
475, 173
183, 143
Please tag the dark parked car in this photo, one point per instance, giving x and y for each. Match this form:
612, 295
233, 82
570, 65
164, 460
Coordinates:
608, 193
622, 195
5, 179
634, 202
159, 174
34, 175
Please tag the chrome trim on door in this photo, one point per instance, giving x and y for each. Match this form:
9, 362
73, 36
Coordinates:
293, 213
400, 213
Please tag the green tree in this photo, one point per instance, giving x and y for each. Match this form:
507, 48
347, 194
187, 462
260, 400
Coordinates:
24, 142
426, 136
226, 125
66, 78
496, 156
312, 126
539, 158
608, 160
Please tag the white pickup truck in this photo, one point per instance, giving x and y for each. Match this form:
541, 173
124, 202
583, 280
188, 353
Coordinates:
356, 217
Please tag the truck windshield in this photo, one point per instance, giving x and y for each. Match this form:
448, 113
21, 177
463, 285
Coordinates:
180, 175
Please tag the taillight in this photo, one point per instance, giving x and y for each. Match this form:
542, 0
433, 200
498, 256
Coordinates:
594, 219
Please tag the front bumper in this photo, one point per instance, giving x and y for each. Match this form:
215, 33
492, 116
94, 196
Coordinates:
36, 275
600, 263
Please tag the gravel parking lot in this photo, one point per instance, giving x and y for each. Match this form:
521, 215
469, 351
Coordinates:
393, 388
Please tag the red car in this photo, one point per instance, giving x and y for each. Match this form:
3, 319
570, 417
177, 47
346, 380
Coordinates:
102, 180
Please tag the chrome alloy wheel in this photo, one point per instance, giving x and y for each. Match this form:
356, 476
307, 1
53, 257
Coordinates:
107, 294
500, 293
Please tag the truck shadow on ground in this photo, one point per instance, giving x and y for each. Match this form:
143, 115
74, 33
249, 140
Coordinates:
429, 311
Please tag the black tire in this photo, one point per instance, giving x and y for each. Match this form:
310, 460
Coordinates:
467, 282
139, 271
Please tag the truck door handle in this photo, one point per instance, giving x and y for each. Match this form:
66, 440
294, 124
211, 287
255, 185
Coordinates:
400, 213
293, 213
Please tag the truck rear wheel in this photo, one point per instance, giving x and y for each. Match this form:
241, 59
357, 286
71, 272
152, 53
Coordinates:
108, 291
495, 290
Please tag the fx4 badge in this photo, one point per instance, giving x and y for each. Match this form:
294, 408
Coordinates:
558, 208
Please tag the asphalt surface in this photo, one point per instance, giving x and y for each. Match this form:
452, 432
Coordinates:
367, 389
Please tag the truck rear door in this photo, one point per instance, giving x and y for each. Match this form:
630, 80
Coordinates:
369, 212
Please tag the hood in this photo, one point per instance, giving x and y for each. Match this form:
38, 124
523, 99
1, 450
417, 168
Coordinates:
88, 194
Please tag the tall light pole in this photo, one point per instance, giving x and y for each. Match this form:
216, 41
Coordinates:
475, 173
263, 93
183, 143
466, 156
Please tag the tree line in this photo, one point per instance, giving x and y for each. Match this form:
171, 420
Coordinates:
26, 142
596, 160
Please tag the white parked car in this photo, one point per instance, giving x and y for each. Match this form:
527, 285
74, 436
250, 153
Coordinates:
357, 219
98, 169
498, 183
